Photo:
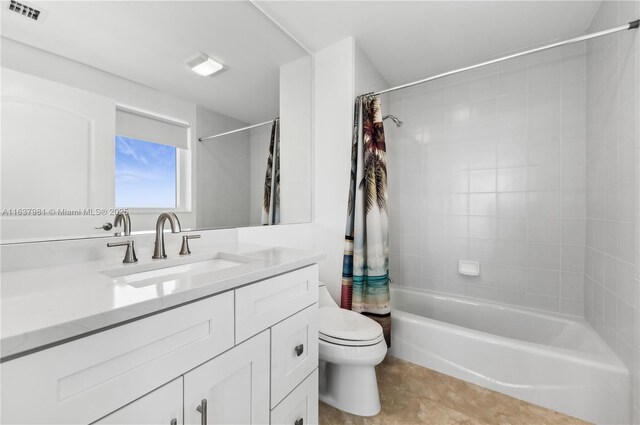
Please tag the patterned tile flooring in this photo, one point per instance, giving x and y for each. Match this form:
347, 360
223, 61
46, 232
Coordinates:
411, 394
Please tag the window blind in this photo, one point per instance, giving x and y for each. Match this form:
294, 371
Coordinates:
143, 126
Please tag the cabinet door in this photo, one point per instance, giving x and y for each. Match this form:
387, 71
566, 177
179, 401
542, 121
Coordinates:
160, 407
294, 352
234, 386
300, 407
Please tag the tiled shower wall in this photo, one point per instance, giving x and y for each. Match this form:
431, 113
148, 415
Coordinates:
490, 166
611, 285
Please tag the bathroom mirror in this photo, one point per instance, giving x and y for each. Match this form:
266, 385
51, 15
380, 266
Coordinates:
103, 106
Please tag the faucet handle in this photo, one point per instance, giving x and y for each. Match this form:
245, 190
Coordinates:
130, 255
106, 227
184, 249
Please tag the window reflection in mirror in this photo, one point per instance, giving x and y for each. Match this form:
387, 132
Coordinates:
146, 174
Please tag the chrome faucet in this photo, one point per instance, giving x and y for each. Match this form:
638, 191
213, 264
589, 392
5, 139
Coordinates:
126, 223
158, 251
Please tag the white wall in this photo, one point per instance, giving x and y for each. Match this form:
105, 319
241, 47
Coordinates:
612, 288
295, 140
333, 110
260, 139
224, 170
297, 236
341, 71
367, 79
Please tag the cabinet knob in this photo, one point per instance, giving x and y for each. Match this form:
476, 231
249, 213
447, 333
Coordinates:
174, 421
299, 421
203, 411
299, 350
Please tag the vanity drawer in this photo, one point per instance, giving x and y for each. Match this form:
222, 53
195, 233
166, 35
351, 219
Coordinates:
294, 352
301, 406
161, 406
84, 380
266, 303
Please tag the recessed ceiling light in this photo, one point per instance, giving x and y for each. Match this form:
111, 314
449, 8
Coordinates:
205, 66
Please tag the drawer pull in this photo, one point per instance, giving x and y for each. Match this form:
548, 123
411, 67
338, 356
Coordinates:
299, 350
174, 421
299, 421
203, 411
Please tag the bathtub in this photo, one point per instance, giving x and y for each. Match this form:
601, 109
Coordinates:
549, 360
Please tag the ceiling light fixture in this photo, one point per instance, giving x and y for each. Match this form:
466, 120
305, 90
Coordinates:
205, 66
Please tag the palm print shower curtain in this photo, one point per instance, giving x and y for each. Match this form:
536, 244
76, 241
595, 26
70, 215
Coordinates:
271, 193
365, 269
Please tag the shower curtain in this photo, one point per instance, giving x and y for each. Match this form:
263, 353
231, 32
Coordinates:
271, 192
365, 269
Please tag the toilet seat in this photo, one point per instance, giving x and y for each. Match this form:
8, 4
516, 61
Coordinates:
348, 342
347, 328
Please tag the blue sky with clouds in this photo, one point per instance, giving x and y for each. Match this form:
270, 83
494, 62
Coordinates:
145, 174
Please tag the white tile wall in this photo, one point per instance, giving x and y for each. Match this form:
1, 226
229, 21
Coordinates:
490, 166
612, 295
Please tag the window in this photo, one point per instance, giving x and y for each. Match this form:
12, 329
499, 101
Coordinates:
146, 174
152, 161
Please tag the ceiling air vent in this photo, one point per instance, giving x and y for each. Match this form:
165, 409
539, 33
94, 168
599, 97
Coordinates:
25, 10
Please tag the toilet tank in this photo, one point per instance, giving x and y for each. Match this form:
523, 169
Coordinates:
325, 299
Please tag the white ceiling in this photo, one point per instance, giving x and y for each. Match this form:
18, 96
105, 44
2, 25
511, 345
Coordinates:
409, 40
151, 43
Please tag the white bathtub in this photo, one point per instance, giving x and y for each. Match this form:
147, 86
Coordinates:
550, 360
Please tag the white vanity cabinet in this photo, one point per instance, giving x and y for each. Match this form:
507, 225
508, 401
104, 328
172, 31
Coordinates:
161, 367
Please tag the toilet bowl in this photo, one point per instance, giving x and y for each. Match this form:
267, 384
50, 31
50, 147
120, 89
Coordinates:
350, 346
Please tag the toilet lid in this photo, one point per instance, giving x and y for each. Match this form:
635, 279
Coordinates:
347, 325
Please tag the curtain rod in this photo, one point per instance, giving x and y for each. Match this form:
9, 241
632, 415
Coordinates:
202, 139
629, 26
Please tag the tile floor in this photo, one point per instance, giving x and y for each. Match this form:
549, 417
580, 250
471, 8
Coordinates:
411, 394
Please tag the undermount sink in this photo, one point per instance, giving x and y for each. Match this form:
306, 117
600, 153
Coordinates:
140, 275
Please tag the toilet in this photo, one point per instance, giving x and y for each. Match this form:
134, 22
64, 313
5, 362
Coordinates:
351, 345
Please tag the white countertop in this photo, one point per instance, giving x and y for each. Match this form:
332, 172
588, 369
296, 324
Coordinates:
45, 306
